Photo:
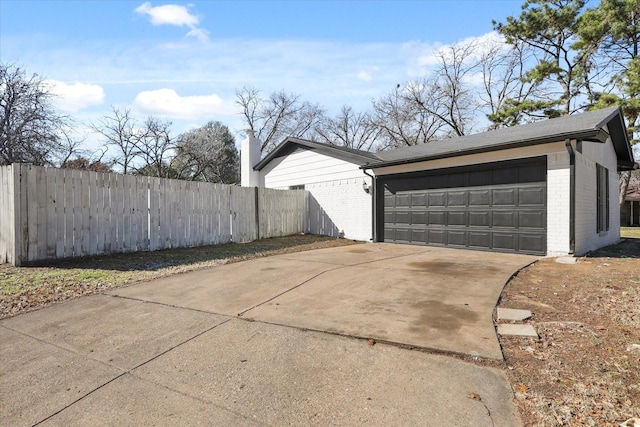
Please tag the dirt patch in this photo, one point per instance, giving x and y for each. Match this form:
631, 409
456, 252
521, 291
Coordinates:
29, 288
584, 368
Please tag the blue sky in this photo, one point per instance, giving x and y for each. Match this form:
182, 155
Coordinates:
183, 61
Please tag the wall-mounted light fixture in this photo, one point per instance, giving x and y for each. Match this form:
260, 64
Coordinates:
366, 187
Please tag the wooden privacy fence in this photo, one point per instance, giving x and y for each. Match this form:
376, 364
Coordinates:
48, 213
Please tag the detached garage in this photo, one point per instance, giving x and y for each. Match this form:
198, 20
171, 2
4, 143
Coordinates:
545, 188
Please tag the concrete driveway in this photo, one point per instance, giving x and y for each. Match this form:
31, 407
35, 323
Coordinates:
247, 344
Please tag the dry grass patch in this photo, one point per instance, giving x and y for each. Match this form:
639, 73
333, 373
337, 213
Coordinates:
583, 370
24, 289
630, 232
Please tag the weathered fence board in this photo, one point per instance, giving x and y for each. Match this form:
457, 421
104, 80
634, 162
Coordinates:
281, 213
48, 213
7, 218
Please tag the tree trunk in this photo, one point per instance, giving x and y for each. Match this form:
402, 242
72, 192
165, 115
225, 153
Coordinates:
625, 177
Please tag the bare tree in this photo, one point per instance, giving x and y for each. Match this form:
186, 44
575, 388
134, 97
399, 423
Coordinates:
121, 132
504, 82
401, 121
280, 115
452, 100
30, 129
348, 129
156, 148
438, 106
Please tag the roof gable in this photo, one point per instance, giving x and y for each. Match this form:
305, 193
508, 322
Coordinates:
291, 145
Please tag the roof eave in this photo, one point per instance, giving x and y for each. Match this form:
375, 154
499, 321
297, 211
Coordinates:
347, 156
592, 135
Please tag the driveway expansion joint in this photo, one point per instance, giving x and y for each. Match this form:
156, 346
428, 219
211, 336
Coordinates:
179, 307
339, 267
242, 313
125, 372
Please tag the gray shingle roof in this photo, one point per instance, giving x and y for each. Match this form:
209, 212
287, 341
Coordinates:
586, 126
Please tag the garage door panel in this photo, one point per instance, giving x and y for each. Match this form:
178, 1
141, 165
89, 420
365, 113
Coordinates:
505, 241
403, 199
501, 208
504, 197
531, 196
437, 237
479, 219
403, 217
504, 219
531, 242
419, 218
457, 238
403, 234
419, 235
419, 200
389, 234
479, 198
438, 218
456, 198
457, 218
389, 200
531, 219
389, 217
437, 199
480, 239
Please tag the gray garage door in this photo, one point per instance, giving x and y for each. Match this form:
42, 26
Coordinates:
496, 206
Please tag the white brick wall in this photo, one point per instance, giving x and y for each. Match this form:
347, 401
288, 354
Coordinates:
558, 203
338, 204
340, 208
587, 238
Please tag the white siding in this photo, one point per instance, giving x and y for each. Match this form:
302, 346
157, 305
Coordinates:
587, 238
337, 204
307, 167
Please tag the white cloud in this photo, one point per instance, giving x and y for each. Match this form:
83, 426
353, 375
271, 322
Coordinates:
199, 33
168, 14
167, 103
173, 14
76, 96
429, 58
363, 75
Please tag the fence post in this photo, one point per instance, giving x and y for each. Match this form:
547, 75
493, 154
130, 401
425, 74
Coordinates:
257, 216
18, 227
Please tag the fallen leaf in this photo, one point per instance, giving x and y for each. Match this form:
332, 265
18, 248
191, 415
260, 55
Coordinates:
371, 342
601, 328
474, 396
522, 388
